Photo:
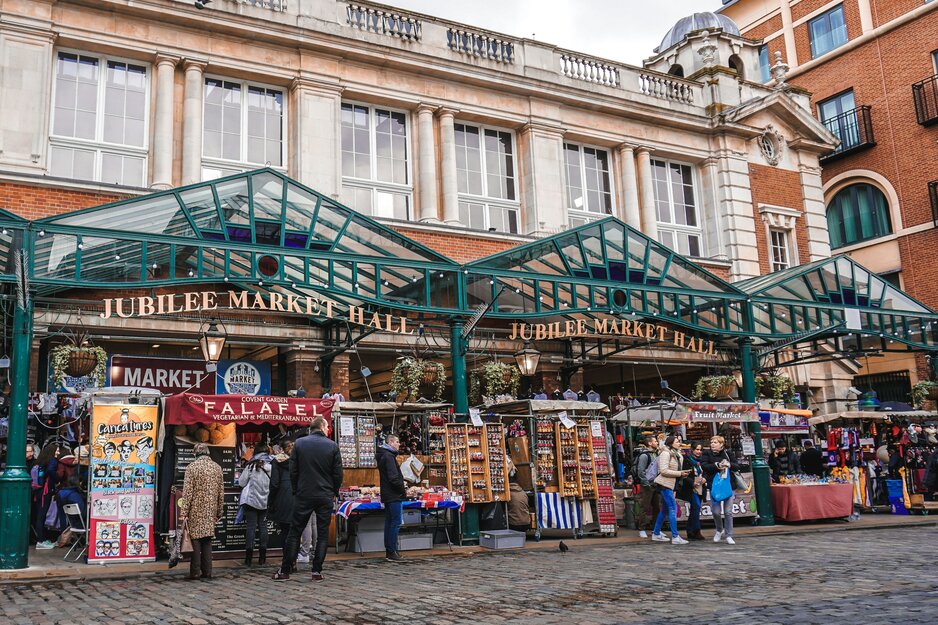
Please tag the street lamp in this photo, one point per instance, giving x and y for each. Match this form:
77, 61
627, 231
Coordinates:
527, 359
212, 343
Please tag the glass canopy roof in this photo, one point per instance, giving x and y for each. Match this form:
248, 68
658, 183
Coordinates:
268, 233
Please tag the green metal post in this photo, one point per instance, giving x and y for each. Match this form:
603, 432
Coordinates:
760, 469
458, 351
15, 480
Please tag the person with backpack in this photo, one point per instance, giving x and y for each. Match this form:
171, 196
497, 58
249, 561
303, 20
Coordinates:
255, 484
648, 504
713, 460
669, 472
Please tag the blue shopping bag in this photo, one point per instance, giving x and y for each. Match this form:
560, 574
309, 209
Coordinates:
722, 488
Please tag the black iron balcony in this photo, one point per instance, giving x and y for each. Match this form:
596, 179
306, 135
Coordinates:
925, 94
854, 128
933, 196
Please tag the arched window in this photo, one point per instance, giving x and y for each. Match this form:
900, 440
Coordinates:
676, 70
857, 213
736, 64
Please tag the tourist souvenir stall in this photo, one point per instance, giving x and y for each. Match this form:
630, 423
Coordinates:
230, 425
431, 506
561, 452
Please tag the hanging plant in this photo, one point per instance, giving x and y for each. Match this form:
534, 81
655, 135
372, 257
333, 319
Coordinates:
922, 391
493, 379
777, 387
714, 387
411, 373
74, 360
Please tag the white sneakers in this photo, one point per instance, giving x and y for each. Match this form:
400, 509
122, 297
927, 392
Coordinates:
643, 534
677, 540
661, 538
730, 541
717, 536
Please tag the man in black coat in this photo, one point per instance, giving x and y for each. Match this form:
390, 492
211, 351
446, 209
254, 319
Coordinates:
315, 475
811, 460
393, 490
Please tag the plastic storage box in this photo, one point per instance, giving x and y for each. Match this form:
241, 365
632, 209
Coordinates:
501, 539
410, 542
411, 517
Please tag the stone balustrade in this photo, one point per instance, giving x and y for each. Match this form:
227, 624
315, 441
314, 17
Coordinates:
666, 87
383, 22
589, 70
480, 45
273, 5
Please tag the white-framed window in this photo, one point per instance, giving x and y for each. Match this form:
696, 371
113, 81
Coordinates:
242, 127
100, 108
827, 31
779, 250
376, 178
589, 183
486, 178
765, 67
676, 206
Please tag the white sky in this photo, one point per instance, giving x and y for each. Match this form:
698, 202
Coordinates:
619, 30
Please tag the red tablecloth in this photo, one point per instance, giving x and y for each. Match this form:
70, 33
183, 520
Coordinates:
819, 501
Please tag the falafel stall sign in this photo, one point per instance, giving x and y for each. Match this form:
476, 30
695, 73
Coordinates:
190, 408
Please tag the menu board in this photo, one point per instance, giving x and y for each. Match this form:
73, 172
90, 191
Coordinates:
231, 536
123, 483
224, 456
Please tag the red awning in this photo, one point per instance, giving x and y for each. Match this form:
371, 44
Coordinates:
188, 408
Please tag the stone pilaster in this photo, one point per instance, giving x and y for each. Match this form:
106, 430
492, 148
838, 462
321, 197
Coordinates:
426, 164
448, 165
192, 122
163, 122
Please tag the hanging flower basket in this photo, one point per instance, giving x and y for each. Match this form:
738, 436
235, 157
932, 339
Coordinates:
924, 390
776, 387
78, 361
715, 387
493, 379
412, 375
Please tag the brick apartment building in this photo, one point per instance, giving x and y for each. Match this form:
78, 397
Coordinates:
872, 69
467, 141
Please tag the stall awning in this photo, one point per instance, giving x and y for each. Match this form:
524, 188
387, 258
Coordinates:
869, 415
190, 408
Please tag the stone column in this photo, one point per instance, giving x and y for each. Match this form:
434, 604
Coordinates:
315, 143
448, 165
815, 209
163, 122
629, 208
541, 168
734, 197
791, 51
426, 165
192, 123
649, 213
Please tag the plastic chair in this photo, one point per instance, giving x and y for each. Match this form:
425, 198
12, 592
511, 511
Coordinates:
76, 523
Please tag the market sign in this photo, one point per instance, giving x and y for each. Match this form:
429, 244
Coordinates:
243, 377
609, 328
167, 375
717, 412
191, 408
785, 421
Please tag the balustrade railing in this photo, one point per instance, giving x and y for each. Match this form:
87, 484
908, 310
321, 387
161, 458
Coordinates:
589, 70
925, 94
274, 5
666, 88
383, 22
480, 45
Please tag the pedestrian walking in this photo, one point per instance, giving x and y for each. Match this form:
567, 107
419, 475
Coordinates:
712, 460
691, 489
280, 501
393, 490
255, 491
202, 505
669, 472
316, 475
648, 498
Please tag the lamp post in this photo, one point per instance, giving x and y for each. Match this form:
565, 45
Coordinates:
527, 359
212, 343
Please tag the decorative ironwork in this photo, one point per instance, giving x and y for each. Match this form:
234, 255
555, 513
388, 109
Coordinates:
925, 94
854, 128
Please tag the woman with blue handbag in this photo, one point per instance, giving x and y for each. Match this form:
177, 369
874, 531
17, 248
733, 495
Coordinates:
718, 463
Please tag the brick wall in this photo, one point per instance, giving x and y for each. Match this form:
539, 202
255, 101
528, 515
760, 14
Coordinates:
778, 187
462, 248
766, 28
35, 202
885, 11
802, 38
805, 7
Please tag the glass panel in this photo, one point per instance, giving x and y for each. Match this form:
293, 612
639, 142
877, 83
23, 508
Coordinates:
110, 260
268, 195
201, 205
300, 207
154, 215
233, 198
328, 223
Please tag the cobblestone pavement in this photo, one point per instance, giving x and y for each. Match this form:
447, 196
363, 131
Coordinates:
867, 576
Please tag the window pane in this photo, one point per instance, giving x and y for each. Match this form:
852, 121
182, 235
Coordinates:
76, 96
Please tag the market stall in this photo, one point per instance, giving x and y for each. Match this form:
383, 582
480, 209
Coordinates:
812, 501
230, 425
562, 450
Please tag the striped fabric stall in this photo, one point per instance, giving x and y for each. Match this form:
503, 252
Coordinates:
556, 512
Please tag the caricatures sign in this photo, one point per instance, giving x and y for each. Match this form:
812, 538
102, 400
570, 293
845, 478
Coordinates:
123, 483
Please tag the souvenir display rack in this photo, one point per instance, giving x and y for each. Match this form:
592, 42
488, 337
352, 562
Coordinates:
586, 471
568, 469
478, 467
545, 457
457, 454
498, 467
477, 463
436, 448
356, 439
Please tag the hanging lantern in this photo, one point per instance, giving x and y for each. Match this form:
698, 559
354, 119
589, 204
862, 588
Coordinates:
527, 360
212, 343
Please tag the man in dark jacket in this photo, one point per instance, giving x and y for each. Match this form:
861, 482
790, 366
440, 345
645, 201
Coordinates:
315, 475
811, 460
781, 462
393, 490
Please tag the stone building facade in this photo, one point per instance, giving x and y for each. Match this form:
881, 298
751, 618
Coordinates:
872, 69
468, 141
